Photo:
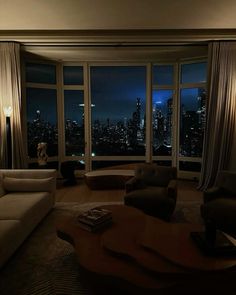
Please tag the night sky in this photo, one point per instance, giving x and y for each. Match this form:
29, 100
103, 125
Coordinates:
114, 90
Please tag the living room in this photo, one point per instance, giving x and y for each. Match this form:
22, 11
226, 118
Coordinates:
108, 86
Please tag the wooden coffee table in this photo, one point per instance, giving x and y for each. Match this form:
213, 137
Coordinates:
145, 255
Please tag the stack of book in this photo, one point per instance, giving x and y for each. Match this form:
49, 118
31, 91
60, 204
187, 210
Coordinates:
95, 219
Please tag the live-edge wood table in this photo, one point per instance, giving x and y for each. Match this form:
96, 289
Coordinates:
139, 254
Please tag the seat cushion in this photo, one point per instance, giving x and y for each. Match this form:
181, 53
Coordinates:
153, 201
28, 207
227, 181
149, 193
10, 238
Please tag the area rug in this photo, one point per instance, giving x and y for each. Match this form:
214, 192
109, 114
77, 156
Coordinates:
46, 265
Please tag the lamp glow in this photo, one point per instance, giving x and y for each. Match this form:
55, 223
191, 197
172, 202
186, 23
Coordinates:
7, 111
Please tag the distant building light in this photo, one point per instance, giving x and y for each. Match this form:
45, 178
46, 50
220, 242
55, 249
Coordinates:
93, 154
82, 105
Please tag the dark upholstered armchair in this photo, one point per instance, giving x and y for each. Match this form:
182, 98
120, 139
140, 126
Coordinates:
219, 206
153, 189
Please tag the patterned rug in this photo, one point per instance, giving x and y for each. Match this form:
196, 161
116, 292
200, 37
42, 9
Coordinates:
46, 265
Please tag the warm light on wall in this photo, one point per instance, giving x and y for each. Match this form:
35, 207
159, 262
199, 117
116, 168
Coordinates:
7, 111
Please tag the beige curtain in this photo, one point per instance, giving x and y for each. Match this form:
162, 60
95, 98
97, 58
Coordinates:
220, 117
10, 95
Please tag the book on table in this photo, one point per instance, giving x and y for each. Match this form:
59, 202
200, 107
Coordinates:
95, 219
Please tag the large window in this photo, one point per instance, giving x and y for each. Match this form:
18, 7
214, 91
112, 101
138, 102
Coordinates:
118, 96
41, 105
99, 114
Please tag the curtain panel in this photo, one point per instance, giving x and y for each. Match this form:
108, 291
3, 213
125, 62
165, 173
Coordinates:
10, 96
220, 111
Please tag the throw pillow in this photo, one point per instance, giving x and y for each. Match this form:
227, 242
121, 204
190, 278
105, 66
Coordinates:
12, 184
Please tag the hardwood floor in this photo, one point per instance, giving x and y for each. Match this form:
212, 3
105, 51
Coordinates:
81, 193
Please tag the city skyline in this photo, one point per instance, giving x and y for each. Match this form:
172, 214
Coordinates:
75, 110
113, 91
128, 136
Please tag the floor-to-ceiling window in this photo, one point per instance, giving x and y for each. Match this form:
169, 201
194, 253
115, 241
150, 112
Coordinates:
96, 114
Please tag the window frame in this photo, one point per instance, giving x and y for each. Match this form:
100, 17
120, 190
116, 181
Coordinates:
86, 87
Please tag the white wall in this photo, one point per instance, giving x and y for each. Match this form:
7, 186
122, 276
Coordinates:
117, 14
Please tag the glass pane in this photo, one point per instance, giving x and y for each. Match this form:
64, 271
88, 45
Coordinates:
194, 73
190, 166
118, 97
42, 120
162, 109
192, 121
163, 75
74, 122
40, 73
73, 75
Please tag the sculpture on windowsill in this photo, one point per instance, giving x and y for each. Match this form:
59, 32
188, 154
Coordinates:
42, 154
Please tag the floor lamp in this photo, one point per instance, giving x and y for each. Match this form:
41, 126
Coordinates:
8, 111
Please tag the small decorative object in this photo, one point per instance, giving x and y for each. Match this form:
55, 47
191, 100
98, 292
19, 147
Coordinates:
42, 154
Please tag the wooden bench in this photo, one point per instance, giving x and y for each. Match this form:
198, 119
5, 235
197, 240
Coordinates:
108, 179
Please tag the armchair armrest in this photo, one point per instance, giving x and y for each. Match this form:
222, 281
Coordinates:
133, 184
211, 194
172, 189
